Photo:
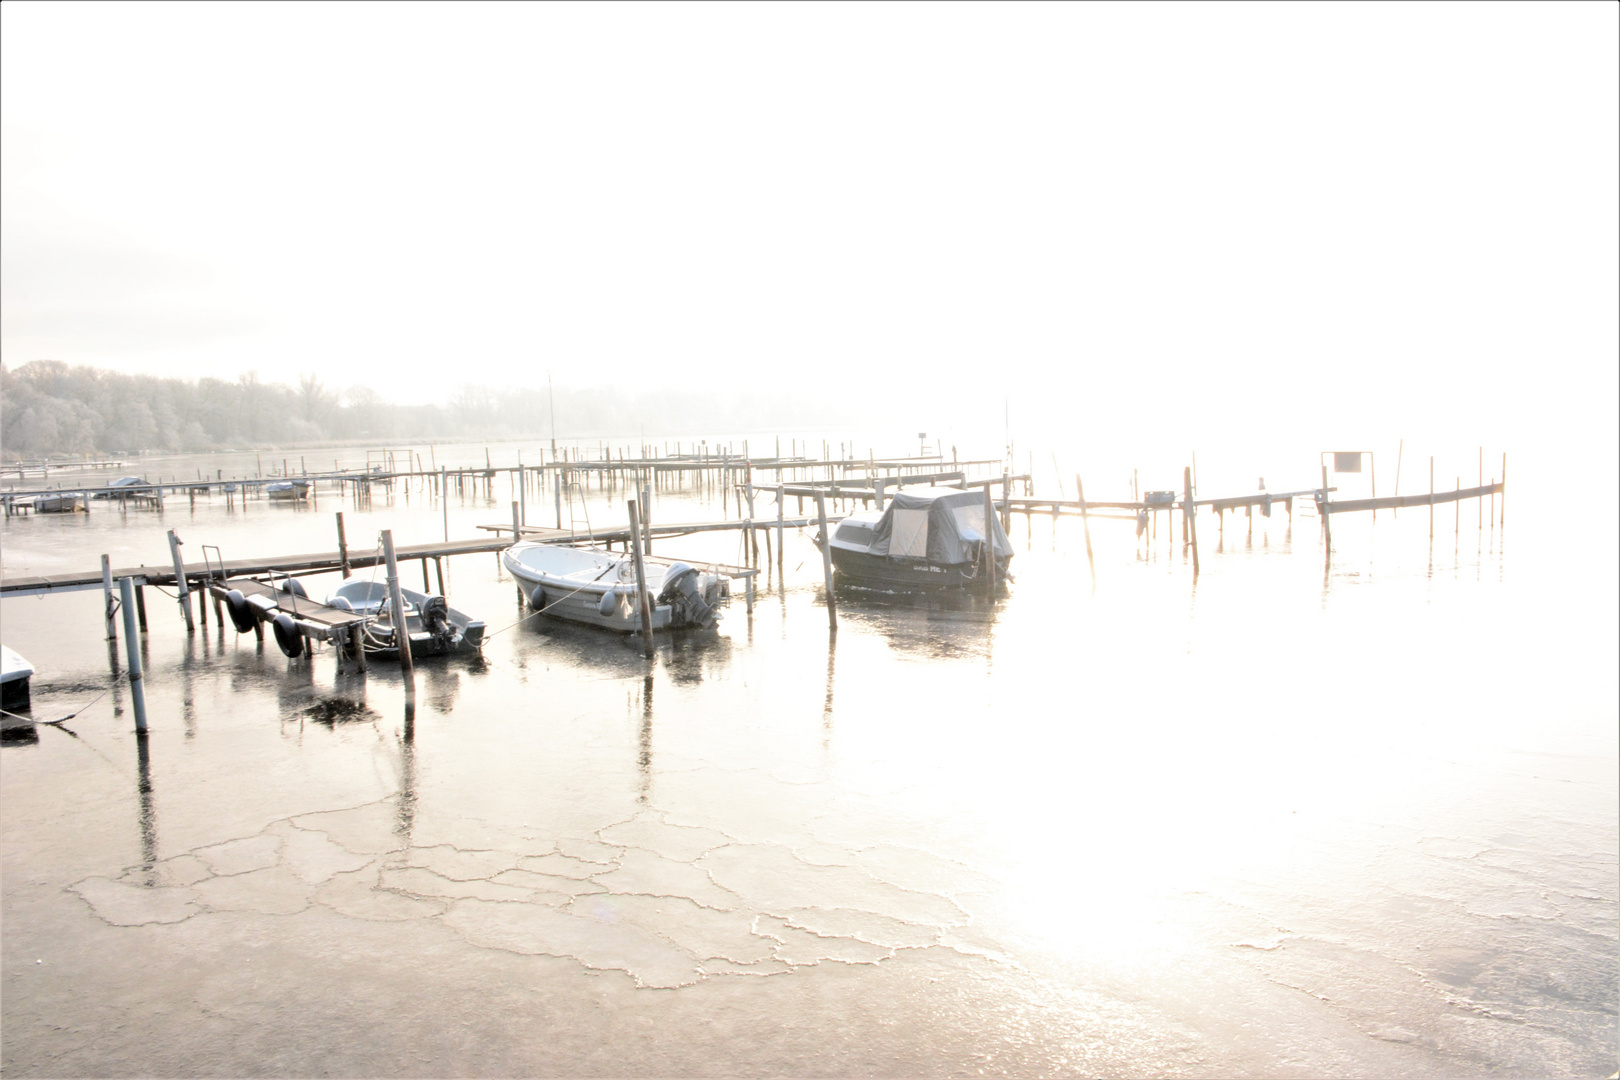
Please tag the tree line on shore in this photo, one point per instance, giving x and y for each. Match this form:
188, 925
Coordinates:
52, 409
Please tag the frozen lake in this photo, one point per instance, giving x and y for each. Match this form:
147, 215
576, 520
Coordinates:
1290, 819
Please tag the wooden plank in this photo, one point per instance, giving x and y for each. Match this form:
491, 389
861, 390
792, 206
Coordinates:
319, 562
1396, 501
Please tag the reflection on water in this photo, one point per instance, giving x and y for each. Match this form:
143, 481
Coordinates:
1225, 827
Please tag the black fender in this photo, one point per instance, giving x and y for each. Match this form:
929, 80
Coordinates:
294, 586
241, 611
288, 635
537, 599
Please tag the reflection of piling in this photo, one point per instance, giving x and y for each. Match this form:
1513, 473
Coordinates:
132, 643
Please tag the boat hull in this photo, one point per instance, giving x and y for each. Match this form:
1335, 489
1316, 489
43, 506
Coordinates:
596, 588
906, 575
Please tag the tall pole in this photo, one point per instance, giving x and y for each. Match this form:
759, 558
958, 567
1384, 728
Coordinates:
1085, 522
1189, 512
826, 562
641, 583
107, 593
402, 632
132, 644
343, 548
444, 500
180, 582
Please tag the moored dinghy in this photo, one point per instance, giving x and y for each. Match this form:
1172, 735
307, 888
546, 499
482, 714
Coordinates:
598, 587
433, 625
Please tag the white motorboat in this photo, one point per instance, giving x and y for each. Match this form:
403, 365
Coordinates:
598, 587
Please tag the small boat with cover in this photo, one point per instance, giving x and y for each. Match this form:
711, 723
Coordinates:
287, 490
598, 587
926, 538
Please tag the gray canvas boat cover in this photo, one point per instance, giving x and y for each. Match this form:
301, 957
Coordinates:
942, 525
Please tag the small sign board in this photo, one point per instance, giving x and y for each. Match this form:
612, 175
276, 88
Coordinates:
1347, 461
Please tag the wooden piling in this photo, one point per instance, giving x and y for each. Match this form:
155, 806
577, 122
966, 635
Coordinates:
180, 582
1501, 510
107, 594
402, 633
643, 603
1189, 513
1322, 508
989, 541
780, 557
826, 562
132, 648
1085, 523
444, 501
1431, 496
343, 548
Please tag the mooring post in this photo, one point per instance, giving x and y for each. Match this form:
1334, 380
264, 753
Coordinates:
1481, 506
132, 647
1501, 510
826, 562
556, 486
1431, 496
523, 492
1189, 514
646, 518
396, 600
989, 541
642, 602
1400, 449
1327, 527
107, 593
780, 509
444, 500
517, 523
1085, 523
180, 581
343, 548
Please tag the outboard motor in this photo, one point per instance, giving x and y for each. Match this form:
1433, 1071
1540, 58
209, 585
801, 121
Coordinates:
683, 592
435, 614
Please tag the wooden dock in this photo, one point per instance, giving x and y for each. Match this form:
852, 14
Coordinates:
319, 562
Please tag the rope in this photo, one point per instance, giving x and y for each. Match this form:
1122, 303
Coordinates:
554, 603
66, 718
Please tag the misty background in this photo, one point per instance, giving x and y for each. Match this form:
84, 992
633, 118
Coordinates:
1342, 223
48, 408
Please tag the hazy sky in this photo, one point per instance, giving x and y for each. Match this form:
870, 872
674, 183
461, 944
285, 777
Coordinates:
1238, 210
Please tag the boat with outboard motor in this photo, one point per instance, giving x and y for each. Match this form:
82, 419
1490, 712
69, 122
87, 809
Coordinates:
598, 587
433, 625
926, 538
